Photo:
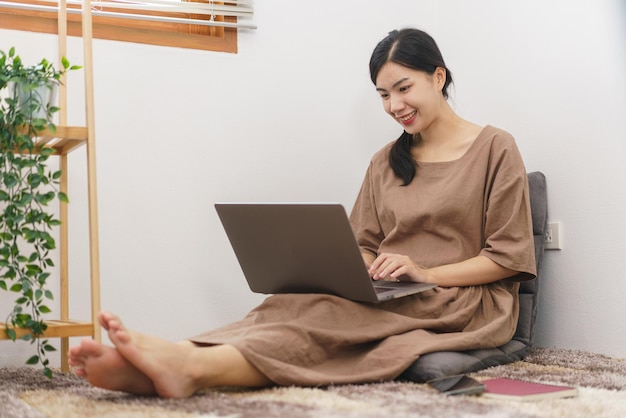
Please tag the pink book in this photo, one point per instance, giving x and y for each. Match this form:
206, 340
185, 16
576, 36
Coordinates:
503, 388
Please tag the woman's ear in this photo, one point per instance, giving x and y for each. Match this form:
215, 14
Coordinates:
440, 77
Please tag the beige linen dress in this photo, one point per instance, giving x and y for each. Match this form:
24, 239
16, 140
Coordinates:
451, 211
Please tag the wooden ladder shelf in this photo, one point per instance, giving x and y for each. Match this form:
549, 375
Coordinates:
64, 140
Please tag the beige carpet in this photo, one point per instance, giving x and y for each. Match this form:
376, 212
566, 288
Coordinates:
25, 393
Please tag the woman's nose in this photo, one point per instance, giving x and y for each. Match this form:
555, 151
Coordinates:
395, 104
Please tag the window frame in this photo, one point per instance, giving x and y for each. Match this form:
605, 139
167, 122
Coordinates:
210, 38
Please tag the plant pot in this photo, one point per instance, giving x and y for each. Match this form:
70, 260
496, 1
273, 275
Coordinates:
34, 101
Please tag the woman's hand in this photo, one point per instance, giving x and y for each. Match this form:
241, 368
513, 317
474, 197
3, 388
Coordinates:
392, 267
474, 271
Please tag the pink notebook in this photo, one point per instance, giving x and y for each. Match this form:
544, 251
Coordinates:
503, 388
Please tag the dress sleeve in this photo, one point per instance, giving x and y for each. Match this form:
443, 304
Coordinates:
508, 224
364, 218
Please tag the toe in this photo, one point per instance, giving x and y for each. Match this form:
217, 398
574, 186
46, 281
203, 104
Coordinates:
80, 372
90, 348
119, 337
103, 320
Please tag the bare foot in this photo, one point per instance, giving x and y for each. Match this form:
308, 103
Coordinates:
165, 363
104, 367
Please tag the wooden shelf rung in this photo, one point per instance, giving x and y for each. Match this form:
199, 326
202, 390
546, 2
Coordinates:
66, 132
57, 329
65, 146
64, 140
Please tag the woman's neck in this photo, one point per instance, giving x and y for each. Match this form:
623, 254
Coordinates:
446, 139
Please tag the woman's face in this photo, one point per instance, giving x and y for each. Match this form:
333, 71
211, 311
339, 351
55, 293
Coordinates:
411, 97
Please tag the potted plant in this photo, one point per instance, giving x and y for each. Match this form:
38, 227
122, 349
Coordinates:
27, 187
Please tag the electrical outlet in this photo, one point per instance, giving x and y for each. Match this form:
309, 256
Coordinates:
554, 236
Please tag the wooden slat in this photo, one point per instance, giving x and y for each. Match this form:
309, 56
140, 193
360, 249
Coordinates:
57, 329
94, 248
64, 259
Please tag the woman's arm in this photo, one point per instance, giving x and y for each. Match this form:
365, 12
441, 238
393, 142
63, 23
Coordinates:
471, 272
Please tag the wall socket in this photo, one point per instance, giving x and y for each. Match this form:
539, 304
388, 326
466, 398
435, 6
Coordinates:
554, 236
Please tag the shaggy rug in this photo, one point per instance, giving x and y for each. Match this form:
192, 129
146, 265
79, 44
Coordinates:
601, 383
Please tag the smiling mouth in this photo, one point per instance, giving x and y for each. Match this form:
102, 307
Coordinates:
408, 118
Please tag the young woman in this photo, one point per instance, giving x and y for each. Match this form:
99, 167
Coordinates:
446, 203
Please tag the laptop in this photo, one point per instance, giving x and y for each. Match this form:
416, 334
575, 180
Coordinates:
303, 248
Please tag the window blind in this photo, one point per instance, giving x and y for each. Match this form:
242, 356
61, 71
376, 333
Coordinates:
232, 14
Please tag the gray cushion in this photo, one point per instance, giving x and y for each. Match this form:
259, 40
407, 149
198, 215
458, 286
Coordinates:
447, 363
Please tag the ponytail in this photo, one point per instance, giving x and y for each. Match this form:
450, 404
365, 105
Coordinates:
401, 159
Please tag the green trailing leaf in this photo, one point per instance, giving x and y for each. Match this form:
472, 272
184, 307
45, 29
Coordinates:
25, 200
11, 334
10, 274
33, 269
49, 244
10, 180
37, 327
45, 198
33, 360
46, 152
34, 180
25, 282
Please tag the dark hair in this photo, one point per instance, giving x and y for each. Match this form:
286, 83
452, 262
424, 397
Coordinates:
415, 49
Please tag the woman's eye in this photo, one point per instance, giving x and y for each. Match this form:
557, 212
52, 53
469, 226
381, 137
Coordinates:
404, 89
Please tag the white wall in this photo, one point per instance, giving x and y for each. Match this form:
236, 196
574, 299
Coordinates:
293, 116
554, 74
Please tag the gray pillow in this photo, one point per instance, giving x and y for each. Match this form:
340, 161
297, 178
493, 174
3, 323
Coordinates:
447, 363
